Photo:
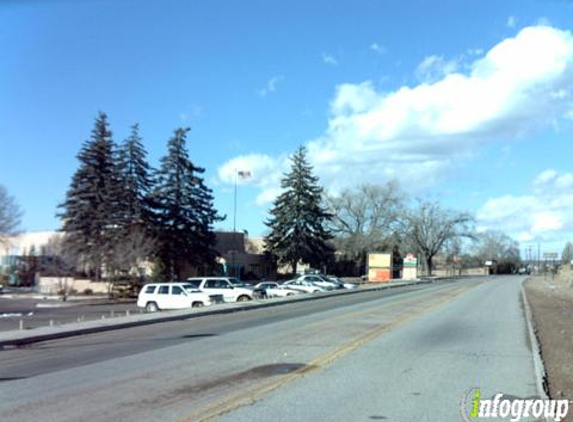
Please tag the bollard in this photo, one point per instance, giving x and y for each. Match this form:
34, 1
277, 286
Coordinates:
103, 317
79, 319
112, 314
51, 323
127, 313
21, 324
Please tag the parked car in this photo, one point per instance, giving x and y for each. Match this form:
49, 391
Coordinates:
319, 280
215, 298
303, 286
232, 289
272, 289
164, 296
341, 283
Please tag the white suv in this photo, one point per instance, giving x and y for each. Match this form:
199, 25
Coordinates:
163, 296
232, 289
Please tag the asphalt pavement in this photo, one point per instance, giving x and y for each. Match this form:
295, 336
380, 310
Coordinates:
36, 313
403, 354
421, 371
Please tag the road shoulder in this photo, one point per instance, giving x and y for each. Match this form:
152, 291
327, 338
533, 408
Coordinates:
551, 303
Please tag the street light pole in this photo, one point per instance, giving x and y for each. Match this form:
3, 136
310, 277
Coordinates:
234, 240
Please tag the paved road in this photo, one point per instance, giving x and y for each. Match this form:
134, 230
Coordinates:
38, 313
400, 355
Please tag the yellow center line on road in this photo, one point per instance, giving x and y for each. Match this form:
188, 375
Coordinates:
251, 395
373, 311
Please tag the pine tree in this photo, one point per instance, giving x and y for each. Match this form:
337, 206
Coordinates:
90, 212
135, 179
134, 240
297, 223
184, 211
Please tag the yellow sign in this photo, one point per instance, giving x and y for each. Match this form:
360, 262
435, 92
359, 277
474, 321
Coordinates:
379, 260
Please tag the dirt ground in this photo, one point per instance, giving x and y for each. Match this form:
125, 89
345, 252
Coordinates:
551, 301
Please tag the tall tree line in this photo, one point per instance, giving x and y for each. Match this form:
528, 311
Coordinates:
306, 226
119, 210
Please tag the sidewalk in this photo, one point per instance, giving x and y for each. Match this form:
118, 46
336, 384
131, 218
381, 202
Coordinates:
22, 337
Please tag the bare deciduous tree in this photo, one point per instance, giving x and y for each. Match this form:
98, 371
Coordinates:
427, 227
132, 250
365, 218
567, 254
496, 246
10, 215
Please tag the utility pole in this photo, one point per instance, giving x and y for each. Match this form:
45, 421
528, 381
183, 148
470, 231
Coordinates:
538, 257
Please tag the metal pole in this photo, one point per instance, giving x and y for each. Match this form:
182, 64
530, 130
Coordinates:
538, 258
234, 225
235, 204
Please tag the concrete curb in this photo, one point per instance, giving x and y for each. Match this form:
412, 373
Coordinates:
19, 338
539, 367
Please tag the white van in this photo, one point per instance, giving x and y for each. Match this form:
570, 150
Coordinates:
164, 296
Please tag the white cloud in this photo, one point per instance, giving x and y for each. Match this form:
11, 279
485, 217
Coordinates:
271, 85
418, 134
546, 221
265, 172
511, 22
377, 48
434, 68
545, 177
545, 216
329, 59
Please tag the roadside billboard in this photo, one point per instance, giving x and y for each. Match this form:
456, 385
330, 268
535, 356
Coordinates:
410, 270
379, 260
379, 267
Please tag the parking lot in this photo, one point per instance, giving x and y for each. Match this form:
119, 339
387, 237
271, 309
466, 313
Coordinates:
36, 313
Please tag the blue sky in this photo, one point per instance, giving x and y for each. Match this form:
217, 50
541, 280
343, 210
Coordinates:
467, 102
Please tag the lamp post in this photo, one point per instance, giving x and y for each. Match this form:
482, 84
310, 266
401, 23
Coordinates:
233, 239
244, 174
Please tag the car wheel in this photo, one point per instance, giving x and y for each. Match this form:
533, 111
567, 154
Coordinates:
290, 294
197, 305
151, 307
243, 298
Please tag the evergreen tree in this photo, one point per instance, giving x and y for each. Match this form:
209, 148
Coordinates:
135, 179
184, 211
90, 212
297, 223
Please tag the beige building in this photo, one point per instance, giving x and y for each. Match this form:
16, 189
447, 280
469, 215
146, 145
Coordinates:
240, 255
244, 256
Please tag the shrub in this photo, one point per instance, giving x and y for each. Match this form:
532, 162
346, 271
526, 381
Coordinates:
88, 292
